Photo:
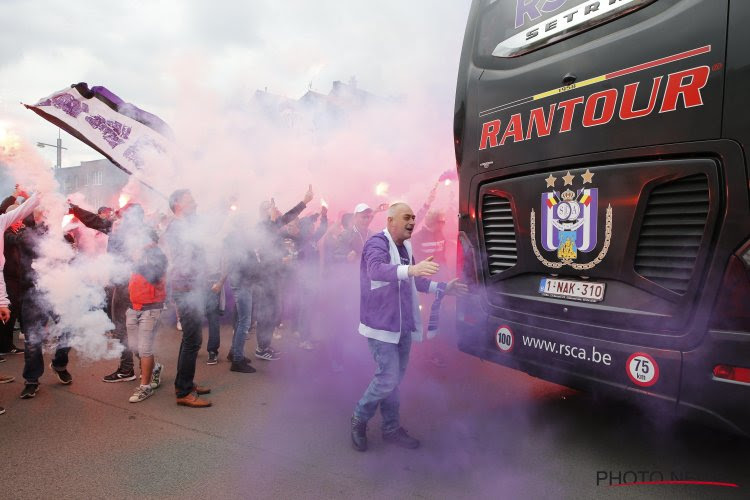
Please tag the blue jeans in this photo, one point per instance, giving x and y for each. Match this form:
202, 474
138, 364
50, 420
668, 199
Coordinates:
243, 300
391, 361
267, 310
212, 318
119, 302
37, 318
191, 307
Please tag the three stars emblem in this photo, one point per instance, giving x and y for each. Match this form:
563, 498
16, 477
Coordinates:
587, 176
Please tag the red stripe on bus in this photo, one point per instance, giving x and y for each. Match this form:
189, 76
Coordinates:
659, 62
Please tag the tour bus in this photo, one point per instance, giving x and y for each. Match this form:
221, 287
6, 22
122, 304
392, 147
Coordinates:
604, 215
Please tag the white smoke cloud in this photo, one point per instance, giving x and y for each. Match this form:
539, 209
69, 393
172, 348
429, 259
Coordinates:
72, 285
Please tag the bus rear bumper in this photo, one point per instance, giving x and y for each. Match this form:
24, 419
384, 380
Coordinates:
681, 380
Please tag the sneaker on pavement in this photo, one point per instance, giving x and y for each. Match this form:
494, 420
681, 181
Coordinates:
213, 358
401, 438
193, 401
13, 350
306, 345
268, 354
143, 392
63, 375
155, 376
242, 367
6, 379
2, 410
29, 391
119, 376
230, 358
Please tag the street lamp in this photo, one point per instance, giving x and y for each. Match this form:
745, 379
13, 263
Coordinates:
59, 148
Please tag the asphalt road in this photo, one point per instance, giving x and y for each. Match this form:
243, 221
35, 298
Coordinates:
486, 431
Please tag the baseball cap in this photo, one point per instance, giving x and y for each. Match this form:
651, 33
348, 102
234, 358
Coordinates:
362, 207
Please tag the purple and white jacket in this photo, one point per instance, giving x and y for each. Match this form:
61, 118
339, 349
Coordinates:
381, 277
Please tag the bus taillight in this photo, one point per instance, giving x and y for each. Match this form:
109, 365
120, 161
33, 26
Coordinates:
732, 373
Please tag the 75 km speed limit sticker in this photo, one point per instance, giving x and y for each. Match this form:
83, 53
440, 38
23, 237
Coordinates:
504, 339
642, 369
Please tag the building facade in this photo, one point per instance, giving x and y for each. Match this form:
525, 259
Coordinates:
99, 181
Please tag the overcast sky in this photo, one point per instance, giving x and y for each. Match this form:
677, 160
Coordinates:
143, 49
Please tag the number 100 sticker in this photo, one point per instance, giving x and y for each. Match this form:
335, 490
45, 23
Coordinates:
504, 338
642, 369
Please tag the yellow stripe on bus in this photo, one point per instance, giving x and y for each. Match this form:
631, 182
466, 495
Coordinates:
578, 85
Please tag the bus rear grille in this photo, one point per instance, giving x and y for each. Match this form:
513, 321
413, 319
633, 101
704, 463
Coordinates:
672, 231
499, 233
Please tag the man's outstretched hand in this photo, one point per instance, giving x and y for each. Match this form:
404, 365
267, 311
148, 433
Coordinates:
455, 287
425, 268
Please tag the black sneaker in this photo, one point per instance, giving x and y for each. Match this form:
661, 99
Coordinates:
29, 391
119, 376
13, 350
242, 367
63, 376
213, 358
359, 434
401, 438
2, 410
268, 354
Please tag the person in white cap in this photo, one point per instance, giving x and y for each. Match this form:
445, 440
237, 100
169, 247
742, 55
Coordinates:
360, 231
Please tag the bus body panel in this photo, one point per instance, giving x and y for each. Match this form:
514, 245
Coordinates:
639, 126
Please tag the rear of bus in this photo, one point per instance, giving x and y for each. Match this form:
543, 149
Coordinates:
604, 210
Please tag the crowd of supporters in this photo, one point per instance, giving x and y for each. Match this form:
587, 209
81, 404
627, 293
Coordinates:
271, 270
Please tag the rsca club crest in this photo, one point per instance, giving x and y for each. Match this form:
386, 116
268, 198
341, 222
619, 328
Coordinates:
569, 223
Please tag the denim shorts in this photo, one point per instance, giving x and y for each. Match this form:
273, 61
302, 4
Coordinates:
143, 325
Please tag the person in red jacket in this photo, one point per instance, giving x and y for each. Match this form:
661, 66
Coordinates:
148, 290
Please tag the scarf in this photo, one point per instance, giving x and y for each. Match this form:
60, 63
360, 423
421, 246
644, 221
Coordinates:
432, 327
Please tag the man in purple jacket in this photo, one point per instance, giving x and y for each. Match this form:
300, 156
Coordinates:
389, 315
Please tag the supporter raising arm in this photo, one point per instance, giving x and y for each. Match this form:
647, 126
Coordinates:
20, 213
92, 220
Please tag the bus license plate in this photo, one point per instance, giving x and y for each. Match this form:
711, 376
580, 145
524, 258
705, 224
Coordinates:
585, 291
